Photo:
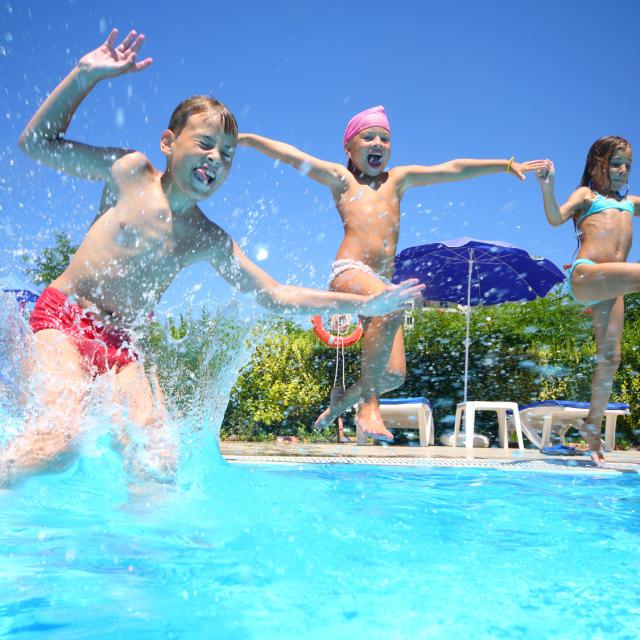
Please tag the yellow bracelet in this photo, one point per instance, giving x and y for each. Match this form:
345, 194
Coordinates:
511, 159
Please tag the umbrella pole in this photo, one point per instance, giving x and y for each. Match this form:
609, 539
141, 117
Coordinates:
467, 341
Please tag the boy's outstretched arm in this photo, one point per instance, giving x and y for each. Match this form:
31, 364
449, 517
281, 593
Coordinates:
556, 214
461, 169
43, 138
330, 174
227, 257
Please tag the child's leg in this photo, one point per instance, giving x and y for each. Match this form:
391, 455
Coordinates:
392, 378
52, 429
608, 322
605, 281
382, 345
140, 395
383, 369
396, 370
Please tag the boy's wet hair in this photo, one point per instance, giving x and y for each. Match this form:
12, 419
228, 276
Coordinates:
600, 155
203, 104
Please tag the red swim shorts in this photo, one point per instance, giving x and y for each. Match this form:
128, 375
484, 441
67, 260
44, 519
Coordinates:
101, 346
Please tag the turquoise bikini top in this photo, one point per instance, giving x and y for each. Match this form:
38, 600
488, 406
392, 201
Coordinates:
602, 202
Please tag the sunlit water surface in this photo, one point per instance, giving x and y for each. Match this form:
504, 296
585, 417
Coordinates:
319, 552
294, 551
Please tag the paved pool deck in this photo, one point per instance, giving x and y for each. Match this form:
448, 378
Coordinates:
435, 456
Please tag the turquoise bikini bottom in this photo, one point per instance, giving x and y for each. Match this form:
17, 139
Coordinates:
570, 289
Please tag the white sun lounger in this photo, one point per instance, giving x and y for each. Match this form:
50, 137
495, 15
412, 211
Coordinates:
405, 413
541, 418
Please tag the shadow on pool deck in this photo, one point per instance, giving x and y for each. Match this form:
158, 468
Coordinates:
529, 459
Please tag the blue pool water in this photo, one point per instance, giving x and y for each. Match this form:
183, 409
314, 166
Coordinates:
337, 551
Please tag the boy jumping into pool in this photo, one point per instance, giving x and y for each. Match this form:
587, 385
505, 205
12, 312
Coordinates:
148, 229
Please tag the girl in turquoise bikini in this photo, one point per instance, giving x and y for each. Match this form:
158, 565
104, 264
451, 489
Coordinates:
601, 209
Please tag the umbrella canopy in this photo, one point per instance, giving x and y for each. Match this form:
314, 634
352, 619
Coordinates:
12, 284
473, 272
23, 295
497, 272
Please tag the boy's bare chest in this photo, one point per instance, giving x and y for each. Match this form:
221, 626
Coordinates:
144, 227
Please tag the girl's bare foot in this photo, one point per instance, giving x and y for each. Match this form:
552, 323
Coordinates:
597, 457
331, 412
370, 422
592, 435
324, 419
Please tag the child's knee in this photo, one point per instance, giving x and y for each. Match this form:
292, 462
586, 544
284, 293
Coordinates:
610, 358
394, 378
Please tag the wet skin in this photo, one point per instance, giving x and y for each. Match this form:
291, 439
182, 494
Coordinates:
136, 247
605, 238
368, 197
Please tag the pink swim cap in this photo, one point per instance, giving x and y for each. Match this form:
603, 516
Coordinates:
374, 117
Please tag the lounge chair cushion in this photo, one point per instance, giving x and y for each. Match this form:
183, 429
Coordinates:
612, 406
405, 401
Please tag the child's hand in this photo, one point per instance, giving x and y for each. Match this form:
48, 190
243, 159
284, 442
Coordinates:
546, 174
518, 169
108, 61
393, 298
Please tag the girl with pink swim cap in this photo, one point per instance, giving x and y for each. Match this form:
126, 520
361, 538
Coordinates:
367, 197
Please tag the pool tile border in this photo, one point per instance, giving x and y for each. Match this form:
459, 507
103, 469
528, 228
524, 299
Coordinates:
551, 466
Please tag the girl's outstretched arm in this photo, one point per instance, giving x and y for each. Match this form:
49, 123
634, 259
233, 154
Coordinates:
43, 137
330, 174
461, 169
636, 204
556, 214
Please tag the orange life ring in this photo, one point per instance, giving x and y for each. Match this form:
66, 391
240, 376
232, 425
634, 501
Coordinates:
332, 340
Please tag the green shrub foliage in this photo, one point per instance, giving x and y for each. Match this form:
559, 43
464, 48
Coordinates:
519, 351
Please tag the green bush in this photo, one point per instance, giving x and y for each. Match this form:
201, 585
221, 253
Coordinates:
522, 352
285, 386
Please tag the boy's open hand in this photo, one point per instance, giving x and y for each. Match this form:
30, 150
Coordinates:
518, 169
546, 174
108, 60
392, 299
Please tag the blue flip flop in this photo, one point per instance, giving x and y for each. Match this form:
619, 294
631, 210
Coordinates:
559, 450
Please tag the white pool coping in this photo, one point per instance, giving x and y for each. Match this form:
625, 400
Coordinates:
432, 457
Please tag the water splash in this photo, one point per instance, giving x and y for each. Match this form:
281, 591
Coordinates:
190, 369
16, 356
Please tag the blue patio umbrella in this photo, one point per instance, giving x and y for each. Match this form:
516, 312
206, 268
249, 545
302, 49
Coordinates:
473, 272
23, 295
12, 284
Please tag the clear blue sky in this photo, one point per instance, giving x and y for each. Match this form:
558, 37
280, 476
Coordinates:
458, 79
